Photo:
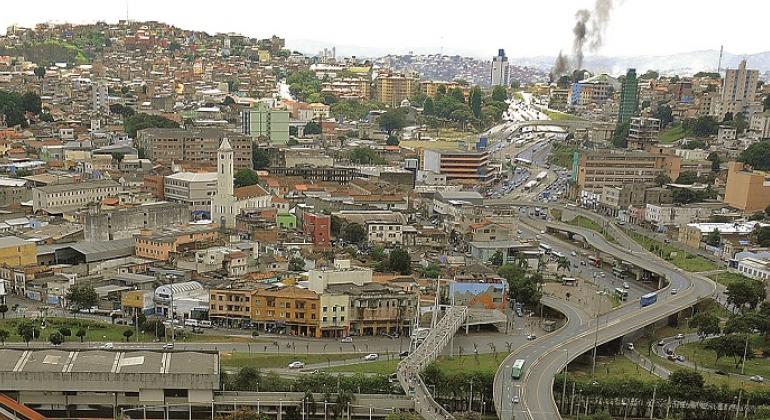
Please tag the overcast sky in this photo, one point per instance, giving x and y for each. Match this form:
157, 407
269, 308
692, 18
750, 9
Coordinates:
475, 27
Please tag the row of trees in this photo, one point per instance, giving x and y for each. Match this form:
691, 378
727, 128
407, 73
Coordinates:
452, 105
250, 379
683, 395
140, 121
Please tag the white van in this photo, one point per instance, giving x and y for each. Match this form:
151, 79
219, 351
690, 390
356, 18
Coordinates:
190, 322
205, 324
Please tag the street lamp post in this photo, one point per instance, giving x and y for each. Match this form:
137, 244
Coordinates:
564, 384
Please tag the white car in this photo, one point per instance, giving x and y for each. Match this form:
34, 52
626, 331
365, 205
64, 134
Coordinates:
630, 346
296, 365
674, 291
347, 340
515, 399
679, 336
574, 254
168, 346
372, 356
108, 346
757, 378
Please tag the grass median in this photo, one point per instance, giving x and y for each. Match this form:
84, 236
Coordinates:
264, 361
680, 258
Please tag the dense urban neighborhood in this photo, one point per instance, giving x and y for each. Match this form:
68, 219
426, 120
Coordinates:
216, 226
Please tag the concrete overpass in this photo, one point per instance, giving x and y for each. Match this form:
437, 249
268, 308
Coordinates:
548, 355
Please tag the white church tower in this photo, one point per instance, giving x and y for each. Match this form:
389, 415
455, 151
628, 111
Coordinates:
223, 210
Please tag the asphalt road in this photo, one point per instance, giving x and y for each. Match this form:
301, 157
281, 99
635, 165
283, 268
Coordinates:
548, 355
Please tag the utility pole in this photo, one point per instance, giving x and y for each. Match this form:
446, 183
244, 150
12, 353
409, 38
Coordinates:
745, 349
564, 384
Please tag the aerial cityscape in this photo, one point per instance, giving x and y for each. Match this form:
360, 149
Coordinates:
210, 217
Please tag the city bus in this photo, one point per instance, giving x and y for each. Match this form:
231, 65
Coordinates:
621, 293
648, 299
522, 161
517, 369
619, 272
546, 248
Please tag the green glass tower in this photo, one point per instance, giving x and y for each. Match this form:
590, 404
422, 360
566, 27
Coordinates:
629, 97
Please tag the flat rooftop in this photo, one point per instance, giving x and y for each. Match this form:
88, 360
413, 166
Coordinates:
59, 360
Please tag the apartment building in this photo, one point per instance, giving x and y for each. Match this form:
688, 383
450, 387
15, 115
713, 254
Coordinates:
260, 122
198, 145
318, 228
500, 74
377, 309
629, 97
161, 245
385, 232
615, 198
759, 127
194, 189
597, 169
66, 197
643, 133
471, 168
291, 310
662, 216
739, 91
747, 189
391, 88
125, 222
595, 90
230, 307
357, 88
430, 87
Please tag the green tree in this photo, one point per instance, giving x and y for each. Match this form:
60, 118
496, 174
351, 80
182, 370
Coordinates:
713, 238
563, 263
303, 84
297, 264
30, 102
81, 334
65, 332
56, 339
757, 155
686, 379
118, 156
245, 177
432, 271
766, 103
716, 161
687, 177
664, 114
141, 121
475, 101
259, 157
354, 233
705, 126
27, 332
40, 72
312, 128
4, 334
392, 120
427, 106
3, 310
496, 259
392, 140
82, 297
400, 261
120, 109
127, 334
706, 323
499, 94
365, 156
620, 135
763, 236
746, 293
228, 100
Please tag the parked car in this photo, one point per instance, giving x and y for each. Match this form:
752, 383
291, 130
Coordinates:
626, 285
515, 399
296, 365
630, 346
757, 378
168, 346
680, 358
347, 339
372, 356
674, 291
661, 343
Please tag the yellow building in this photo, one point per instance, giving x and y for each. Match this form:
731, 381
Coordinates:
16, 252
290, 309
392, 88
747, 189
264, 56
230, 307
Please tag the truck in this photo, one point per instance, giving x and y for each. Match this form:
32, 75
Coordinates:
648, 299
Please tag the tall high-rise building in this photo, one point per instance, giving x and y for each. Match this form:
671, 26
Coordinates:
629, 97
739, 91
500, 70
100, 97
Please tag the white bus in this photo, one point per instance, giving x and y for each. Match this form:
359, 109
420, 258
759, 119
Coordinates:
546, 248
529, 185
542, 175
